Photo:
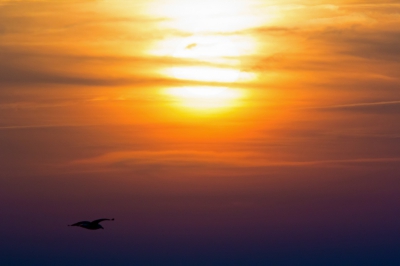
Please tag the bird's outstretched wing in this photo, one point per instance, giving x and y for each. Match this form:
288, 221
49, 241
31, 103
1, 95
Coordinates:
100, 220
80, 223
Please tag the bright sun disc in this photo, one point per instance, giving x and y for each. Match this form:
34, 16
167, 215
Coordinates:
205, 98
211, 74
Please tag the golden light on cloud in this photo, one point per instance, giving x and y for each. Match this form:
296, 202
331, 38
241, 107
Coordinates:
207, 36
210, 47
205, 99
206, 15
211, 74
223, 51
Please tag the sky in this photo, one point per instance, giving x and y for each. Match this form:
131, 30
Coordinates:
223, 132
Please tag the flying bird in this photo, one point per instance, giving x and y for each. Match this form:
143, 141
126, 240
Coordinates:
91, 225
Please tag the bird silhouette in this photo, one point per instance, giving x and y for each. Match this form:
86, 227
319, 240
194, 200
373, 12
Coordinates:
94, 225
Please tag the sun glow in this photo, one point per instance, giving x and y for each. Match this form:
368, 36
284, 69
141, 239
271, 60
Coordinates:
203, 98
208, 15
220, 53
206, 42
211, 74
206, 39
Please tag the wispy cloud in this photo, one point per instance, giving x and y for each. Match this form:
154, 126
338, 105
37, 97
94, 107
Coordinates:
316, 55
44, 126
176, 158
389, 107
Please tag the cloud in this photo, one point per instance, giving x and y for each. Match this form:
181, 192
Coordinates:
376, 44
191, 46
389, 107
30, 67
172, 158
348, 38
23, 23
34, 105
44, 126
21, 65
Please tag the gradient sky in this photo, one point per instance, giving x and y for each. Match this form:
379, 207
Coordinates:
215, 132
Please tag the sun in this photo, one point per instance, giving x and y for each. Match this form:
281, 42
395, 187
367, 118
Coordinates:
206, 44
204, 98
209, 58
210, 74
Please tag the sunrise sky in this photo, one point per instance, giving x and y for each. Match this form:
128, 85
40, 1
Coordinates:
215, 132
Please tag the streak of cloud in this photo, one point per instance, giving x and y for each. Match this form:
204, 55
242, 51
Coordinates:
389, 107
232, 159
